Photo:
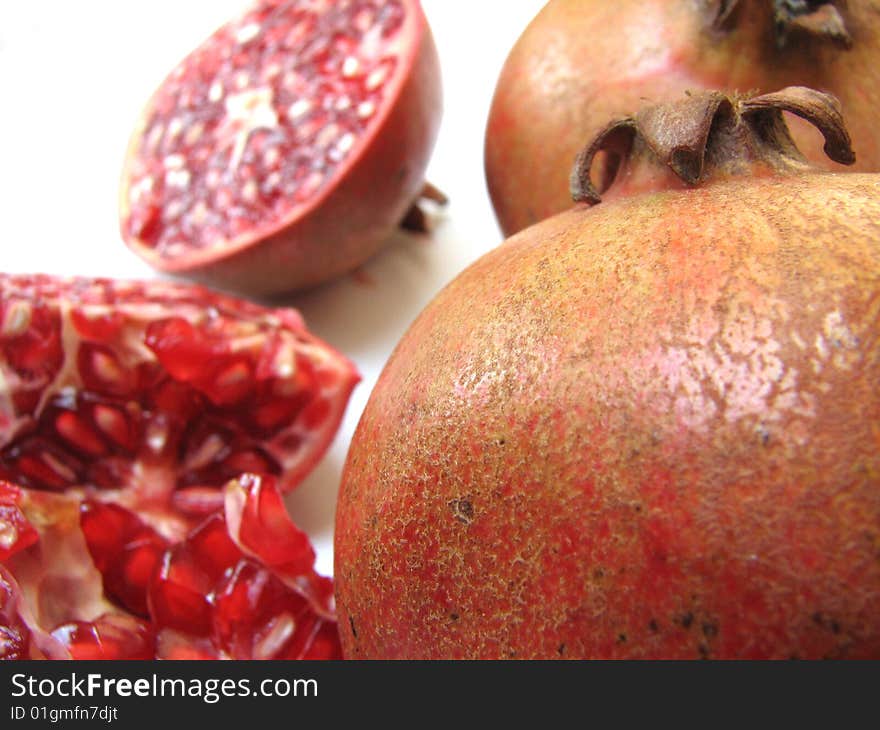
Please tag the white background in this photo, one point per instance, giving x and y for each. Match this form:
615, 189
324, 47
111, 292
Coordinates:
73, 78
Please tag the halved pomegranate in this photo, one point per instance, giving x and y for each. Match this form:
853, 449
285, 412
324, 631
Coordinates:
147, 431
285, 149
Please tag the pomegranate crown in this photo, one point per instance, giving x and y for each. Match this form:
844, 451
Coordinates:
708, 131
791, 19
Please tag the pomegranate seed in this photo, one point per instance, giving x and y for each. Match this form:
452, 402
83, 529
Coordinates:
16, 319
316, 412
255, 614
213, 550
178, 595
105, 527
40, 464
182, 349
13, 643
111, 636
16, 532
14, 635
114, 424
177, 400
126, 552
179, 647
103, 326
231, 383
266, 529
102, 372
207, 451
37, 349
79, 434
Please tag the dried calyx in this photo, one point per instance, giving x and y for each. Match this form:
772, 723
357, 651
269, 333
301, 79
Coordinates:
792, 18
416, 218
710, 134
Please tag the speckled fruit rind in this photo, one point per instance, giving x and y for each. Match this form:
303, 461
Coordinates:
646, 429
580, 63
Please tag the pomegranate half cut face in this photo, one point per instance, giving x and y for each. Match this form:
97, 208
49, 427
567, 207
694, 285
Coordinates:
285, 149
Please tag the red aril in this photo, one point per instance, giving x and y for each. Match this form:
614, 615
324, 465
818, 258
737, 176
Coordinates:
127, 444
581, 63
60, 596
14, 634
125, 550
285, 149
112, 636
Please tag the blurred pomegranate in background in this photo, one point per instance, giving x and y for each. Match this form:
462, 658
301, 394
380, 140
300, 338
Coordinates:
285, 149
581, 63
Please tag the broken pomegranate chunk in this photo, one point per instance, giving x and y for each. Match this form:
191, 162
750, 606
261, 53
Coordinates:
119, 525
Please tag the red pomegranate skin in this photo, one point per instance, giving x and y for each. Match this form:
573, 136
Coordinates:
581, 63
649, 429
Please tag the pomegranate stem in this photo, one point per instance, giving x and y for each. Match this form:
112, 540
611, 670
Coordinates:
813, 18
416, 219
708, 131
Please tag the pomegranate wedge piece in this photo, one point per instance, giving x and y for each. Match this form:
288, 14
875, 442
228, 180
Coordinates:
126, 408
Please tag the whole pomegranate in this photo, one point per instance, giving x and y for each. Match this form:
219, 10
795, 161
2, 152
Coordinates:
285, 149
581, 63
147, 432
643, 429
